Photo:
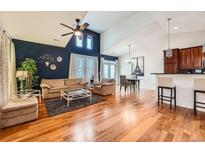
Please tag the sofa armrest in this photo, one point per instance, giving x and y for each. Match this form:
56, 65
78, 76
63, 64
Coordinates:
97, 83
83, 83
43, 85
107, 84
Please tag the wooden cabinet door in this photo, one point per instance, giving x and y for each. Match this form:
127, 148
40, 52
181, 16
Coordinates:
181, 59
170, 68
173, 59
171, 64
197, 57
188, 59
185, 59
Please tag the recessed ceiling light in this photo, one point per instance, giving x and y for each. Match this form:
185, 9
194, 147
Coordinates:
176, 27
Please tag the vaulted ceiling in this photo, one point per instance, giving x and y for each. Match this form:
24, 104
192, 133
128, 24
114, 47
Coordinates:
41, 27
118, 29
142, 28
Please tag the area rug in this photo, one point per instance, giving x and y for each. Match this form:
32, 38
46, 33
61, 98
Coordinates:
57, 106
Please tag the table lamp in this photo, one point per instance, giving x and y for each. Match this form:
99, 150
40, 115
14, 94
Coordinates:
21, 75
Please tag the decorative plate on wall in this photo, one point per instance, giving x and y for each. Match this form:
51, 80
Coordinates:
47, 63
59, 59
53, 67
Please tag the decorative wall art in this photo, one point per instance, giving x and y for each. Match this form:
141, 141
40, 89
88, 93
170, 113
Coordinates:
50, 61
59, 59
53, 67
46, 59
137, 67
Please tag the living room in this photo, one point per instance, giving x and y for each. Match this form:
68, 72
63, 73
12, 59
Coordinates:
100, 75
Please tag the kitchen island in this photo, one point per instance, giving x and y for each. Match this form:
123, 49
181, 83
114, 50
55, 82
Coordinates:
184, 88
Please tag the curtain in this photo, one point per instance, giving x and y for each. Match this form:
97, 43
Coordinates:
83, 67
101, 68
72, 68
96, 76
13, 82
1, 69
117, 71
7, 68
4, 66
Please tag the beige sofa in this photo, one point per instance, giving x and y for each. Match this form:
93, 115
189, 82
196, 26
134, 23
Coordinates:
105, 87
51, 87
16, 112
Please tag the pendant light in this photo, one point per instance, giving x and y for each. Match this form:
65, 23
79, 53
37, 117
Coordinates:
169, 50
129, 60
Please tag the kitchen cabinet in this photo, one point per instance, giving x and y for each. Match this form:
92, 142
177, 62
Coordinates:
197, 57
171, 64
185, 61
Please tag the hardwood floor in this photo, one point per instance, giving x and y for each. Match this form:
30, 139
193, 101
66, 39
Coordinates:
123, 117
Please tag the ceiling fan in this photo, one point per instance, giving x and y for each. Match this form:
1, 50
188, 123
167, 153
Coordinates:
76, 31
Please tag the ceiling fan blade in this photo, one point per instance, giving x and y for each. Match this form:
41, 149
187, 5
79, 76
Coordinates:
67, 34
84, 26
90, 34
67, 26
79, 37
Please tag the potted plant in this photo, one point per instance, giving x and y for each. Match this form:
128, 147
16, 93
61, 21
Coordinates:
33, 79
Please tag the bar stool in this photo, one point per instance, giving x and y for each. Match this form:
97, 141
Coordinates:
166, 83
199, 88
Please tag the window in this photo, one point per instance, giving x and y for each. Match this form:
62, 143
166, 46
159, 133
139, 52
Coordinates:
80, 67
109, 69
106, 71
79, 43
89, 42
90, 66
85, 67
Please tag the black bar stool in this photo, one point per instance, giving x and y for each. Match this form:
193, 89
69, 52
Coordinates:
199, 88
166, 83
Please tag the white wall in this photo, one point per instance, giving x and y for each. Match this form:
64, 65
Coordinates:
153, 55
124, 29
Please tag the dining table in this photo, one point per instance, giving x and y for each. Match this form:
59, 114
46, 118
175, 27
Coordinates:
135, 82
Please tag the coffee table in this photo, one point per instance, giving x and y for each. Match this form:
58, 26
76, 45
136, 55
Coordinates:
74, 94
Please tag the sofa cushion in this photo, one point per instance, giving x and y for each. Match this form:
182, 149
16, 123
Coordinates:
58, 89
107, 84
83, 83
75, 86
53, 82
44, 85
107, 80
98, 88
72, 81
18, 112
24, 103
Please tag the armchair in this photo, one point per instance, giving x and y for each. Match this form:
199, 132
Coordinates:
105, 87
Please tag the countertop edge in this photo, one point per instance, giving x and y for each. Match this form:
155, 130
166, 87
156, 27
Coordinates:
178, 73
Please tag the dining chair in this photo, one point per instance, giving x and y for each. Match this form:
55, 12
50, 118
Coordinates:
124, 83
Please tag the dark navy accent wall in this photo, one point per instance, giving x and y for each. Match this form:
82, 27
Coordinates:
71, 46
32, 50
25, 49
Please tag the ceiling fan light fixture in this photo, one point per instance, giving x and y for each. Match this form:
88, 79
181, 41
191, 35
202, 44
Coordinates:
78, 33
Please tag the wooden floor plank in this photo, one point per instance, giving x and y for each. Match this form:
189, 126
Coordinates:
131, 116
